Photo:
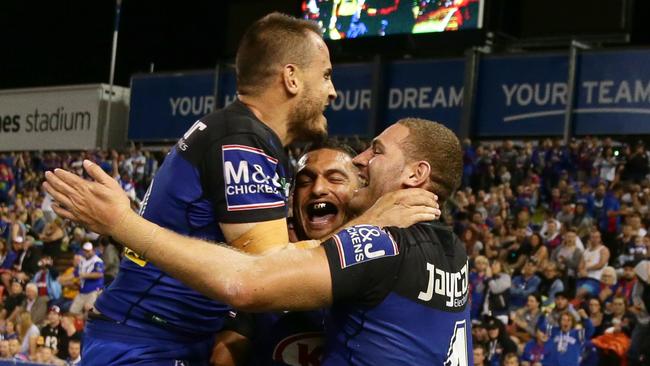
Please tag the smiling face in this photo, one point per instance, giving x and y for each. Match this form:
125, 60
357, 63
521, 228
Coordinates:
325, 182
381, 167
306, 119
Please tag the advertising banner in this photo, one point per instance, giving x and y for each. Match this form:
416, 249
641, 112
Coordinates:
526, 95
164, 106
425, 89
56, 118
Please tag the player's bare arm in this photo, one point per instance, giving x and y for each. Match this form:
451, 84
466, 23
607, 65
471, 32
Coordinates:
247, 282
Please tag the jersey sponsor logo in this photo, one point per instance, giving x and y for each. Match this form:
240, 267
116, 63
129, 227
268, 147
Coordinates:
362, 243
251, 179
302, 349
453, 286
198, 125
457, 352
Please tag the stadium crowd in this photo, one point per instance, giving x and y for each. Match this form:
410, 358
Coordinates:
556, 235
51, 270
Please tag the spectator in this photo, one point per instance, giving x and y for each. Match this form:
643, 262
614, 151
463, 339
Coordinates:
596, 315
565, 342
91, 278
525, 320
34, 304
37, 223
627, 282
620, 320
28, 333
524, 285
26, 264
54, 335
480, 334
638, 229
582, 221
69, 286
594, 258
110, 256
14, 349
568, 256
10, 330
13, 301
608, 285
498, 293
46, 279
511, 359
479, 355
551, 283
562, 305
500, 344
551, 235
624, 245
52, 238
477, 279
74, 353
534, 350
539, 252
46, 355
566, 216
5, 354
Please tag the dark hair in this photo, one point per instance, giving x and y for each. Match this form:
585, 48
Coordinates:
436, 144
270, 43
537, 297
330, 144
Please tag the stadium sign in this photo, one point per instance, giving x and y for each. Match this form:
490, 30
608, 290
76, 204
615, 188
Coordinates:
527, 95
60, 118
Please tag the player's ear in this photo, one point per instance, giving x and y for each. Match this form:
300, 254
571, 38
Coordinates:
418, 174
290, 79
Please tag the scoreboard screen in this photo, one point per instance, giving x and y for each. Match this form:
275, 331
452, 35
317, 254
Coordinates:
366, 18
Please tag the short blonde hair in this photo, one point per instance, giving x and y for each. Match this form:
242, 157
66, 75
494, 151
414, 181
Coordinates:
611, 272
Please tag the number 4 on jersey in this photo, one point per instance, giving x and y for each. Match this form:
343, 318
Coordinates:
457, 353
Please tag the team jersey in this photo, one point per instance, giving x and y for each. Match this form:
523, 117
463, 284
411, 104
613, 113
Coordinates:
400, 297
228, 168
56, 338
291, 338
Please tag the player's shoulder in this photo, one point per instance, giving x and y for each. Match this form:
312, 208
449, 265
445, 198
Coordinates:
236, 119
362, 243
437, 234
234, 126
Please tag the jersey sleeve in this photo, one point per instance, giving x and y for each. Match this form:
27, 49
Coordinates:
364, 261
245, 181
99, 267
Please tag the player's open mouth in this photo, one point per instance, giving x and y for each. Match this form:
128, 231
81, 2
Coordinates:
363, 181
321, 212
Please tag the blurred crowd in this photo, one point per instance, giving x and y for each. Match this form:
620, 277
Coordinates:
51, 270
558, 245
556, 234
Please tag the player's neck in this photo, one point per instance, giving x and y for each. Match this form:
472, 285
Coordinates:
270, 112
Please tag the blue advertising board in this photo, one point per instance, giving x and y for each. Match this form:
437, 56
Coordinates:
613, 93
521, 95
526, 95
430, 89
349, 114
164, 106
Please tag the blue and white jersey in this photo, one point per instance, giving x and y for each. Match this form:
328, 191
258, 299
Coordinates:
400, 297
228, 168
